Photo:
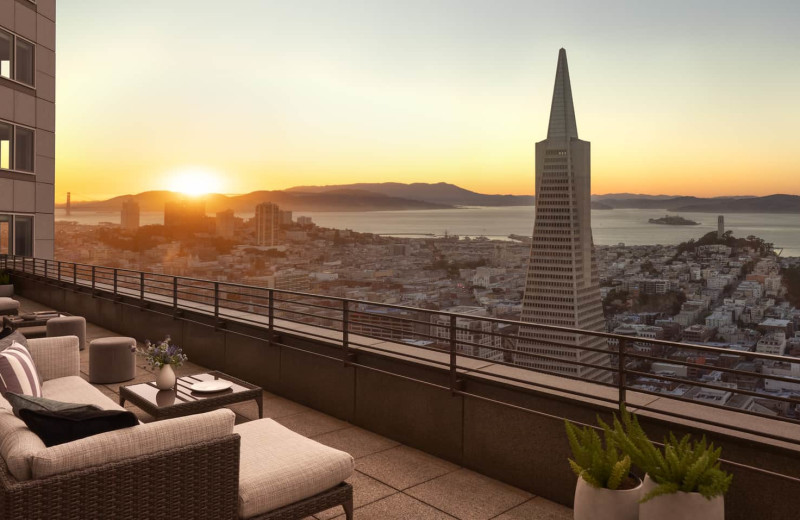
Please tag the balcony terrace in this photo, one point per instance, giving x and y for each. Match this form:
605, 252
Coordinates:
436, 431
391, 480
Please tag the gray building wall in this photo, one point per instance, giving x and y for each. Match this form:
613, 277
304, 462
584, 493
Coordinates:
25, 193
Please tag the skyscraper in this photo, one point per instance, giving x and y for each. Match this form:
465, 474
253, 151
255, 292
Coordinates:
129, 216
267, 223
27, 127
562, 287
720, 226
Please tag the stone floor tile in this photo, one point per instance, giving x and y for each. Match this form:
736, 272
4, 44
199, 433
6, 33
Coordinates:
537, 509
398, 507
468, 495
403, 467
312, 423
356, 442
365, 491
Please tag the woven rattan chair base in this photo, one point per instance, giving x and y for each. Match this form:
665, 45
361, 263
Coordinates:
341, 495
197, 481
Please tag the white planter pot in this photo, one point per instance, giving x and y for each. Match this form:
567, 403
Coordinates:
680, 505
165, 378
6, 291
593, 503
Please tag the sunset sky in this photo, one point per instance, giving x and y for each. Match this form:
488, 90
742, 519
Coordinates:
682, 97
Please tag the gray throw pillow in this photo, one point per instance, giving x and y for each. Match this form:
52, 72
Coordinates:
28, 402
17, 336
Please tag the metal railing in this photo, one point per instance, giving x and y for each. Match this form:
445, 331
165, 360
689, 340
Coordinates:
467, 345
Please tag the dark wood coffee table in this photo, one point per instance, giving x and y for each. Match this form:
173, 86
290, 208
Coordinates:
18, 322
180, 401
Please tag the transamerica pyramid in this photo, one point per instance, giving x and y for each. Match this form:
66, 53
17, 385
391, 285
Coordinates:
562, 287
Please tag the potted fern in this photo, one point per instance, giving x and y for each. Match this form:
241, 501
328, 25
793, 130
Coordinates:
6, 287
683, 479
606, 490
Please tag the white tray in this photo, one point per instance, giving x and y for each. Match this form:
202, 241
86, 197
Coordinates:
208, 387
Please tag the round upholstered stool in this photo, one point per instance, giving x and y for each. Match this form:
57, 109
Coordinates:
68, 326
9, 306
112, 360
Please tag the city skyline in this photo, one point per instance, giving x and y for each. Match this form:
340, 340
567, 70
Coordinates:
449, 93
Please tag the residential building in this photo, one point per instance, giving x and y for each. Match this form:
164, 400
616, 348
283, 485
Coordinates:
267, 224
225, 224
474, 337
187, 214
129, 216
562, 286
27, 127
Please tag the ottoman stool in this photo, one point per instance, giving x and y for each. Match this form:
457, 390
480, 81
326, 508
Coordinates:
9, 306
112, 360
68, 326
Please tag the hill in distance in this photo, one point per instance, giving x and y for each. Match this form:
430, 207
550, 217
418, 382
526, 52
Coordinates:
334, 200
395, 196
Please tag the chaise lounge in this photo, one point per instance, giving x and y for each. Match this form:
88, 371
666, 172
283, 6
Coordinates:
200, 466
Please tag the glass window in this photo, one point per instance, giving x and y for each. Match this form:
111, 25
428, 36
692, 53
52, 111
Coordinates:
23, 150
6, 132
6, 235
23, 235
24, 63
6, 52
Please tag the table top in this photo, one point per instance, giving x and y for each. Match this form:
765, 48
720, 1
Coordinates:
151, 399
16, 322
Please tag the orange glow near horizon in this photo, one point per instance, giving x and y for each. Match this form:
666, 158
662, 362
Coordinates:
319, 93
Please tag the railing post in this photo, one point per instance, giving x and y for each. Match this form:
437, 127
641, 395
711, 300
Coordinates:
75, 275
46, 270
271, 314
58, 271
453, 357
216, 305
93, 279
23, 264
175, 295
621, 380
345, 332
141, 289
115, 281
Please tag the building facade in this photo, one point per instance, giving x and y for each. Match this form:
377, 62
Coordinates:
27, 127
129, 216
267, 224
562, 287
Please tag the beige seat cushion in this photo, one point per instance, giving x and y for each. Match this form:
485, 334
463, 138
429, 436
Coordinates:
132, 442
278, 467
74, 389
18, 444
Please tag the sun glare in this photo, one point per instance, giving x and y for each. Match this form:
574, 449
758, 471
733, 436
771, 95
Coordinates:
194, 181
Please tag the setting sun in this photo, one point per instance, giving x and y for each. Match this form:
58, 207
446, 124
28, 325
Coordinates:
194, 181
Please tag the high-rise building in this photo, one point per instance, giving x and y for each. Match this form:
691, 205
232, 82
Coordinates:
27, 127
562, 288
267, 224
225, 224
720, 226
69, 203
129, 216
186, 214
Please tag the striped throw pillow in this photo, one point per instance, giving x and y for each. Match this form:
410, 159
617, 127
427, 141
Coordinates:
18, 373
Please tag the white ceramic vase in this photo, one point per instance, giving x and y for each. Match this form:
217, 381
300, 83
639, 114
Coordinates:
680, 505
165, 378
593, 503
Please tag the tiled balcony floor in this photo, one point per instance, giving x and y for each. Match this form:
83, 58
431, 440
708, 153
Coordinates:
391, 481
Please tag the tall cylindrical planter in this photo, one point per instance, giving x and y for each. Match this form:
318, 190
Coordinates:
593, 503
680, 505
165, 378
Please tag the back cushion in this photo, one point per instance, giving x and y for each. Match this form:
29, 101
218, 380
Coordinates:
18, 373
132, 442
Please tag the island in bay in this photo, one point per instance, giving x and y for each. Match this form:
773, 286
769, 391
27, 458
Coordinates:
668, 220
